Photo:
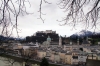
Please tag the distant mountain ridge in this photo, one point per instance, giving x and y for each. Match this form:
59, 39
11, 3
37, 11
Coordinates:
84, 33
3, 38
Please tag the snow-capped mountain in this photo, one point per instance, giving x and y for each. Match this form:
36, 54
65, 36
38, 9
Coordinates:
83, 33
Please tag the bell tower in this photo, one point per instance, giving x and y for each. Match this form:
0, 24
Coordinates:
60, 41
78, 41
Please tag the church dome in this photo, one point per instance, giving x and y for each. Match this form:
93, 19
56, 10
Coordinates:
49, 39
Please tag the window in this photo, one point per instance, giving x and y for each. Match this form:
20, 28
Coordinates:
75, 57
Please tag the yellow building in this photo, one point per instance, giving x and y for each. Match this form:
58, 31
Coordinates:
27, 52
20, 46
55, 57
41, 53
62, 56
68, 58
32, 52
98, 56
92, 56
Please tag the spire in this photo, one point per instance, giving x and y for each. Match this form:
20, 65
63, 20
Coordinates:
78, 40
60, 41
87, 38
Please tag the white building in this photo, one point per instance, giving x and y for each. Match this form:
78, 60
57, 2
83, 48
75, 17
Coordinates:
55, 57
82, 58
49, 31
75, 60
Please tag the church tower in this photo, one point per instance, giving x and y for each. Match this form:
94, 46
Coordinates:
87, 38
60, 41
78, 41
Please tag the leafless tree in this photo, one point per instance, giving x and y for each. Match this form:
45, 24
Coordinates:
9, 12
81, 12
77, 15
40, 9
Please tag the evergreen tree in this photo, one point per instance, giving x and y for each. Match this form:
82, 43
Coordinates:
44, 62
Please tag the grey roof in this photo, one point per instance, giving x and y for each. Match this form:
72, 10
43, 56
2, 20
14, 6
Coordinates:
54, 43
85, 42
63, 51
98, 54
83, 54
42, 50
77, 51
70, 53
68, 45
56, 50
56, 54
92, 55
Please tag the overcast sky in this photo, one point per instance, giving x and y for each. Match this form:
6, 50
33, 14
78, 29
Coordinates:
29, 24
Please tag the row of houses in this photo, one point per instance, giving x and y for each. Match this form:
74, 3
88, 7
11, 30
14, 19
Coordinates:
65, 54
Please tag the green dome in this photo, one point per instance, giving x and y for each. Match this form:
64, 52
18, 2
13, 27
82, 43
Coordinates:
49, 39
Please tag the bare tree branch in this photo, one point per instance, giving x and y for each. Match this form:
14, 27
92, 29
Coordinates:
40, 9
9, 10
76, 13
